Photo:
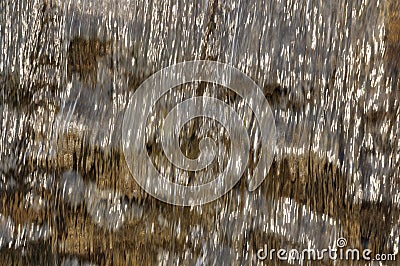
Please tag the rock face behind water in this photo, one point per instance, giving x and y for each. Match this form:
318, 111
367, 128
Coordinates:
329, 70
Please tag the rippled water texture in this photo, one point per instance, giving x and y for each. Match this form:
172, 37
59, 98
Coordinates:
329, 70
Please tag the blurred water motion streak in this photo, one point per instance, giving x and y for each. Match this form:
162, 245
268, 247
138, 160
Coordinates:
329, 70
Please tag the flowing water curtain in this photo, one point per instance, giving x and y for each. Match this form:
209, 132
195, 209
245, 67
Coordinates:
326, 67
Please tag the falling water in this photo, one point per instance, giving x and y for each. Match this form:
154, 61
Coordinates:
68, 69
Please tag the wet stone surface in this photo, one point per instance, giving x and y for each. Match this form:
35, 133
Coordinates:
329, 71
